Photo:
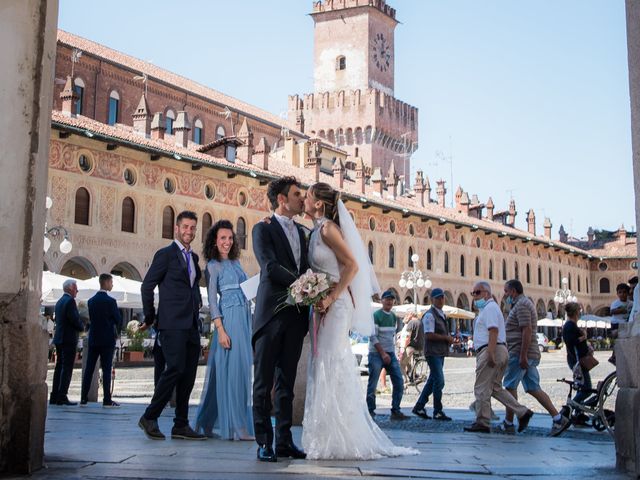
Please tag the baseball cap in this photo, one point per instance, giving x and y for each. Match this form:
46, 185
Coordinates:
388, 294
437, 293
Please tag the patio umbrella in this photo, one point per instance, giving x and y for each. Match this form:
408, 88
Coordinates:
52, 287
550, 322
451, 312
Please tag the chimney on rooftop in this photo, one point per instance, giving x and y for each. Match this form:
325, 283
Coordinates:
547, 227
157, 126
142, 118
68, 97
441, 191
261, 154
531, 222
181, 128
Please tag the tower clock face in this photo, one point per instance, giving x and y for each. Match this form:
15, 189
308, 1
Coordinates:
381, 52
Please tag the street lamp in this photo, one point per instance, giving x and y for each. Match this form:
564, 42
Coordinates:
564, 295
414, 279
55, 232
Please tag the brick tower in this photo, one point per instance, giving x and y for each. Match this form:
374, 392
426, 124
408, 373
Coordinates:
353, 104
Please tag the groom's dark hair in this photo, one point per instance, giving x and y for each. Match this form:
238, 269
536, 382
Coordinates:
280, 186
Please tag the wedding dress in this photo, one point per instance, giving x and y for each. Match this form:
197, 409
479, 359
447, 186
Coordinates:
337, 424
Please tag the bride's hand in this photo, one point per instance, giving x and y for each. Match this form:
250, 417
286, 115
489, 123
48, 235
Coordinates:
223, 339
323, 305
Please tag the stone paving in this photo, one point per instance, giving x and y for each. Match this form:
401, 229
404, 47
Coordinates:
93, 443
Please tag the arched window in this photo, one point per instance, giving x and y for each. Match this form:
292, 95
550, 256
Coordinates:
169, 118
528, 273
241, 233
569, 278
429, 260
114, 107
604, 285
550, 277
446, 262
392, 256
409, 255
559, 279
371, 252
168, 218
477, 267
78, 87
516, 271
490, 269
83, 204
349, 136
220, 133
331, 136
206, 224
462, 272
539, 275
504, 269
358, 136
368, 132
197, 132
579, 284
128, 215
341, 63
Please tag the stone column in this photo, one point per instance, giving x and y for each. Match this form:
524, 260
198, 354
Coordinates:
28, 32
628, 344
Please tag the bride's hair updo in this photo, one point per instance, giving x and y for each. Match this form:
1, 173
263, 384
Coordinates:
329, 197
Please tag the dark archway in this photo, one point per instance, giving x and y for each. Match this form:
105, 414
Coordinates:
78, 267
126, 270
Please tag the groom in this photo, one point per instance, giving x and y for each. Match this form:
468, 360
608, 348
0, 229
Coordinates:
281, 251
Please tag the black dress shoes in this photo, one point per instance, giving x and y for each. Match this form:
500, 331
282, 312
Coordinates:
290, 450
150, 428
67, 402
266, 454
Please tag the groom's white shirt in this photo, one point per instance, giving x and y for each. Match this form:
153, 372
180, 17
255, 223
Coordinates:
291, 231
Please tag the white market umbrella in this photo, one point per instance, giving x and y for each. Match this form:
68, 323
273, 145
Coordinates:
451, 312
550, 322
52, 287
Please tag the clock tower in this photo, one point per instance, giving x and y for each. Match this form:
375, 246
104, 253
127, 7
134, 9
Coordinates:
353, 104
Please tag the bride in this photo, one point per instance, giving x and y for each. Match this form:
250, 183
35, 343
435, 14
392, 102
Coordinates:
337, 424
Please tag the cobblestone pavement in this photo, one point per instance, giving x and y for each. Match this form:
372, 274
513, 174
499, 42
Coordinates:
135, 384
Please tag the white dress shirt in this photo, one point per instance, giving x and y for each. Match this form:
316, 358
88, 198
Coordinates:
192, 265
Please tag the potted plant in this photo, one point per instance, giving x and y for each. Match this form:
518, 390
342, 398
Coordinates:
135, 348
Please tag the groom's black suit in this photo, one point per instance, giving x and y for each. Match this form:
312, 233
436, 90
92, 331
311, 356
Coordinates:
277, 336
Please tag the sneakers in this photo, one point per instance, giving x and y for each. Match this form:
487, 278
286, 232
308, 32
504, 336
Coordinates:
398, 415
186, 433
523, 421
506, 428
150, 428
441, 416
110, 404
421, 412
559, 426
83, 403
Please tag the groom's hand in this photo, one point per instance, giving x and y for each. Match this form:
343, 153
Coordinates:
386, 358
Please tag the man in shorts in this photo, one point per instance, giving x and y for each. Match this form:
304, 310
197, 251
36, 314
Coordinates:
524, 356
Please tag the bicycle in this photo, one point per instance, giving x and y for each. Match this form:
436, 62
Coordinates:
417, 374
598, 408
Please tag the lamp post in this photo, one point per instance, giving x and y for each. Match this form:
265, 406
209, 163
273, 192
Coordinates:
564, 295
55, 232
414, 279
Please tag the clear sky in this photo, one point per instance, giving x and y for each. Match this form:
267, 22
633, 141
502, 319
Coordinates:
529, 98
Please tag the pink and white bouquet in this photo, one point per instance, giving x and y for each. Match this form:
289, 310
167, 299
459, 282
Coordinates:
309, 289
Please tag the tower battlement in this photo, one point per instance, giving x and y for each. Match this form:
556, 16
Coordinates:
370, 99
333, 5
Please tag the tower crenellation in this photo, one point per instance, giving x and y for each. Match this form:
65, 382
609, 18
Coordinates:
335, 5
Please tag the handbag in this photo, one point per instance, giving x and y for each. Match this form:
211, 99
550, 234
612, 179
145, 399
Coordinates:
588, 362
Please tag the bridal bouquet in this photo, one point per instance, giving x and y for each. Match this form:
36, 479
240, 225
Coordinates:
309, 289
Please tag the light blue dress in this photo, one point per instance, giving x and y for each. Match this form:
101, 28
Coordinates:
226, 400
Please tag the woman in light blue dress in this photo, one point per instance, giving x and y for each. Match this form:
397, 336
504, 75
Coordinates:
225, 402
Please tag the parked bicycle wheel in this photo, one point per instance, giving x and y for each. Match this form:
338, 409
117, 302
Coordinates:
607, 403
419, 373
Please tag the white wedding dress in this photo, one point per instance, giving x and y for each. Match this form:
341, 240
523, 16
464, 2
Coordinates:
337, 424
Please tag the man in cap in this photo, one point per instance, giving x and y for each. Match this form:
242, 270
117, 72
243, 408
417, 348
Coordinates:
436, 347
382, 354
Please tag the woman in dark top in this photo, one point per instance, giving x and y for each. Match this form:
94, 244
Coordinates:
575, 341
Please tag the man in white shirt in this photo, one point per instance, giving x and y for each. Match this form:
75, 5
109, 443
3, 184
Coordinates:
489, 337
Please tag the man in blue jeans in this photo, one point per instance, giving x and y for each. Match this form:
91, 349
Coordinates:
382, 354
436, 347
